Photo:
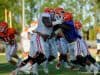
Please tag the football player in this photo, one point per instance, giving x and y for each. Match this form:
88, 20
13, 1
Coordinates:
11, 46
85, 57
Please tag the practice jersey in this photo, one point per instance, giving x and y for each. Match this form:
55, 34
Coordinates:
71, 33
41, 27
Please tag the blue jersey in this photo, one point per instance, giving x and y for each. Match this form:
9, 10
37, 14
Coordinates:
70, 34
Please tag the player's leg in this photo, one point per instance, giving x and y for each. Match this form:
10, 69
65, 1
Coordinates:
64, 52
14, 53
78, 58
53, 49
90, 67
45, 51
87, 54
72, 50
35, 69
93, 66
26, 65
79, 54
9, 55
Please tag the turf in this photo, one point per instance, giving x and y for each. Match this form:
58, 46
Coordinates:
6, 68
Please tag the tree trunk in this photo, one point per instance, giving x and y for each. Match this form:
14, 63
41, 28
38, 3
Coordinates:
23, 15
10, 19
6, 15
88, 35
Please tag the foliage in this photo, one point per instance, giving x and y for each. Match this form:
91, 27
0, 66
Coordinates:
76, 7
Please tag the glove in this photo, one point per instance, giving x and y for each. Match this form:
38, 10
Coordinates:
57, 31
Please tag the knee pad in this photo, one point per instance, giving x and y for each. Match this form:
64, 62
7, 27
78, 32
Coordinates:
63, 57
51, 58
80, 60
90, 58
40, 58
26, 61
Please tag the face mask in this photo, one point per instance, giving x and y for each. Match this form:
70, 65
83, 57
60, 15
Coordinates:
47, 21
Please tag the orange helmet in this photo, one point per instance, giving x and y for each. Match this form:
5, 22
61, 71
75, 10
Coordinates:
77, 24
48, 10
59, 10
67, 16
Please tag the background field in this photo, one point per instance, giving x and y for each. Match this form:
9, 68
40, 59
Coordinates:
6, 68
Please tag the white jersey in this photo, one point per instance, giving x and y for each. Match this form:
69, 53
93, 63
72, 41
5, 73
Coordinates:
41, 27
25, 41
62, 45
36, 44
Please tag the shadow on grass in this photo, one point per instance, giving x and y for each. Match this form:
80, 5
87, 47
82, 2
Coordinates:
6, 68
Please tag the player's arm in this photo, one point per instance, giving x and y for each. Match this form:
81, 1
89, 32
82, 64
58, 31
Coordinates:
64, 26
43, 35
67, 24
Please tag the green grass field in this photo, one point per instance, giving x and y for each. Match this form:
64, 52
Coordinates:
6, 68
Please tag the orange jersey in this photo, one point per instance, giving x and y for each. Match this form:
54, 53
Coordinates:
3, 37
2, 34
11, 33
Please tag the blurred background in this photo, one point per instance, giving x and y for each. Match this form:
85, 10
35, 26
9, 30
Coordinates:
20, 13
